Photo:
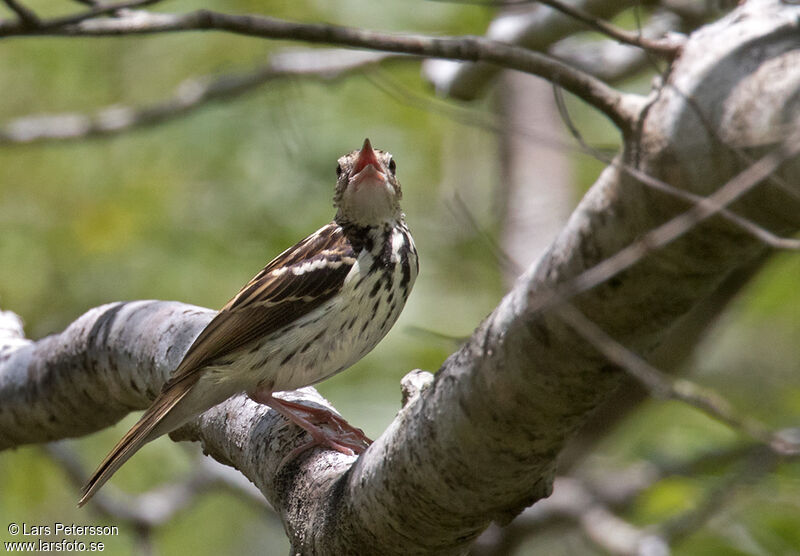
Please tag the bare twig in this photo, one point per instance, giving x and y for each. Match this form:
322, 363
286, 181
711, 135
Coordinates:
664, 387
490, 122
674, 228
759, 232
668, 49
758, 464
160, 505
27, 16
620, 108
574, 502
44, 26
189, 95
608, 59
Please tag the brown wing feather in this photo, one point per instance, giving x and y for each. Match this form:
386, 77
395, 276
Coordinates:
272, 299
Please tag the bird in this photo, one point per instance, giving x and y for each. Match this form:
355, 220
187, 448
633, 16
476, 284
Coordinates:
313, 311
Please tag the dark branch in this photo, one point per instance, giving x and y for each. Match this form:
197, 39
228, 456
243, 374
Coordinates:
621, 109
27, 16
665, 48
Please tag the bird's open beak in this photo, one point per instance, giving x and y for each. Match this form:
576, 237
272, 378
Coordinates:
367, 162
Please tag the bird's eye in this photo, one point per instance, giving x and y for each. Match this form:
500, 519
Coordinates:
392, 166
338, 169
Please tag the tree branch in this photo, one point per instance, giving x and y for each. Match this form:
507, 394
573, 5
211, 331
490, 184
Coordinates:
159, 506
480, 442
537, 30
190, 95
667, 48
622, 109
608, 59
26, 15
23, 26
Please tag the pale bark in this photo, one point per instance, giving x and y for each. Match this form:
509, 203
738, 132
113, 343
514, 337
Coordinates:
480, 441
537, 28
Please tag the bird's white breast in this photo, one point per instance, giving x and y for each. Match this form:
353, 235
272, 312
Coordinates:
342, 330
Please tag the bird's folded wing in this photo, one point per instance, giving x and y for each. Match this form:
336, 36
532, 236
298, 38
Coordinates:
293, 284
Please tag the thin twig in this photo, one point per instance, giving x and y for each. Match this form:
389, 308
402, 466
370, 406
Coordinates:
609, 60
27, 16
664, 387
190, 95
460, 209
467, 116
159, 505
682, 223
759, 232
759, 464
665, 48
614, 104
47, 26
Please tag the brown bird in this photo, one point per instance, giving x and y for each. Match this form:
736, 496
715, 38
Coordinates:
313, 311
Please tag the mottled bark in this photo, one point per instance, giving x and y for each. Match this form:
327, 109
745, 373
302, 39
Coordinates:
480, 442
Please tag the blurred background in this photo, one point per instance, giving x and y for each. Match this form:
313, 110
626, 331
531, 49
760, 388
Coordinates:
189, 209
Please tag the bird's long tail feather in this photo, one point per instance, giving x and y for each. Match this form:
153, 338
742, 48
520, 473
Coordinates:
159, 419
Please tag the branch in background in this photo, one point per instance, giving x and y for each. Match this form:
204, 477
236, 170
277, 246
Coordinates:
26, 15
665, 47
620, 108
160, 505
663, 387
501, 126
572, 502
609, 60
756, 466
677, 226
668, 48
533, 190
536, 29
190, 95
480, 441
614, 492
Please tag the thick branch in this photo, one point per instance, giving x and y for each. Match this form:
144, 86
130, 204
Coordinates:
109, 362
480, 442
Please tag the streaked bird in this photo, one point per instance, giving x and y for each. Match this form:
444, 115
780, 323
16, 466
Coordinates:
313, 311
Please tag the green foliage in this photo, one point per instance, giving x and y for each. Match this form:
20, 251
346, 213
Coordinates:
190, 210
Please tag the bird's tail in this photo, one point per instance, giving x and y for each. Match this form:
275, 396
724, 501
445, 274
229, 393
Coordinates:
159, 419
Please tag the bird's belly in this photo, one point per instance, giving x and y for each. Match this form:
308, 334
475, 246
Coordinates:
328, 340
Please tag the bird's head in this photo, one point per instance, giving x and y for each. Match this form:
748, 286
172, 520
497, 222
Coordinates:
367, 191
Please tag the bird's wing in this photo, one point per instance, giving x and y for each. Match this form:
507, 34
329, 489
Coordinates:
293, 284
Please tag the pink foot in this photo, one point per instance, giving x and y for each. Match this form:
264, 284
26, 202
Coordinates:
325, 427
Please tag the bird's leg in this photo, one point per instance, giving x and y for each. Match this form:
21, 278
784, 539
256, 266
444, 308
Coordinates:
318, 421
